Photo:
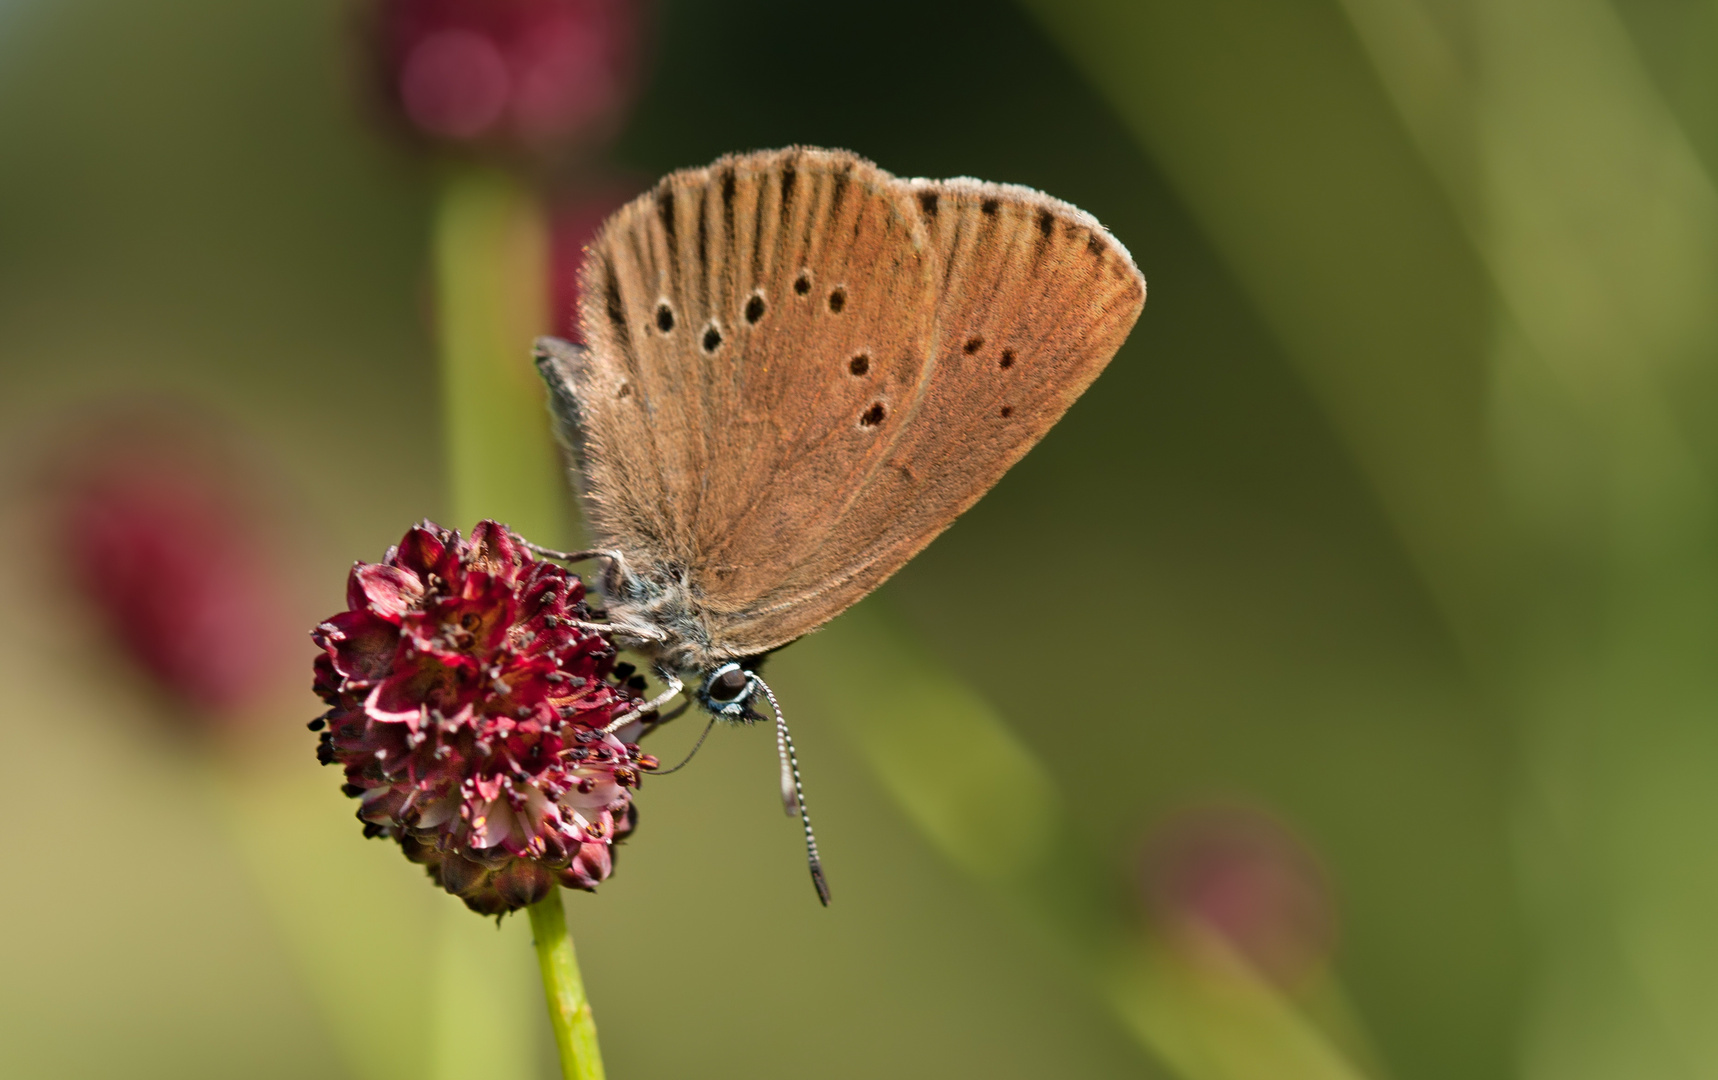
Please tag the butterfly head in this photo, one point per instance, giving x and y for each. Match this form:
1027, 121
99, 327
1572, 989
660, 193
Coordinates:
727, 691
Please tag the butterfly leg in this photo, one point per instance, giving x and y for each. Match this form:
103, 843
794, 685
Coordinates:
674, 688
643, 633
573, 556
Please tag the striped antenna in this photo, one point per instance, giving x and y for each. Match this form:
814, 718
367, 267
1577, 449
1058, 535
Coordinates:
793, 793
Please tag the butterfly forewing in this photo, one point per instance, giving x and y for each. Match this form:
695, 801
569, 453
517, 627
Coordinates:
803, 369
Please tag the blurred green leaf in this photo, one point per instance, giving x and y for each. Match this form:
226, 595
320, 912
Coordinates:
990, 806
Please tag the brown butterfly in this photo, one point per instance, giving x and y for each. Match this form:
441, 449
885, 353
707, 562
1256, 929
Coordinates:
800, 370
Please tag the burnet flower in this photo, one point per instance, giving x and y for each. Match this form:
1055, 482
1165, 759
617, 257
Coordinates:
467, 711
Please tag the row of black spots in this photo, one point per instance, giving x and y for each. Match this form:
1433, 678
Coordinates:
975, 343
837, 295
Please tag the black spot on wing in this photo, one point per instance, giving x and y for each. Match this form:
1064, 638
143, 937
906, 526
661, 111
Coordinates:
1046, 223
928, 203
989, 206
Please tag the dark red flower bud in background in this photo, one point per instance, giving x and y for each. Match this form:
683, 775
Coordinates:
467, 711
169, 557
1242, 876
518, 74
574, 221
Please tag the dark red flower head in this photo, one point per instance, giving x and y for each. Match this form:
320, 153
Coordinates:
514, 73
467, 712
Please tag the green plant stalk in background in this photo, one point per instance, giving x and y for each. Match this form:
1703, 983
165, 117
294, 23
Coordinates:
491, 285
563, 986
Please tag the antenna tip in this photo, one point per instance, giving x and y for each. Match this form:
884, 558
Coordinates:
822, 885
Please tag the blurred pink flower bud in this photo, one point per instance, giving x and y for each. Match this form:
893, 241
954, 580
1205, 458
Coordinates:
165, 552
1241, 875
512, 74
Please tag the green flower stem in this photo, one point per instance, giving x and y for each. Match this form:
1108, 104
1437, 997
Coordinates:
490, 253
564, 987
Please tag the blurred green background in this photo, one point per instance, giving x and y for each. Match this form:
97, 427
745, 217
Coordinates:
1392, 524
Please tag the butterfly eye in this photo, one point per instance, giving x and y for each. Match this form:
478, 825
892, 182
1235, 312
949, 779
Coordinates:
728, 685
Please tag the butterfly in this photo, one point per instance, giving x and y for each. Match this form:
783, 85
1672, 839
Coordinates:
799, 371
